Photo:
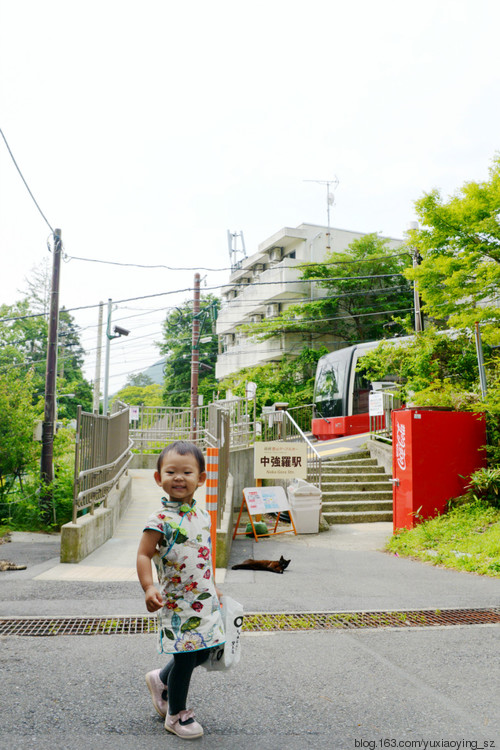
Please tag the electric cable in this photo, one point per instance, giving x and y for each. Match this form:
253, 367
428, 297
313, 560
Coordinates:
25, 183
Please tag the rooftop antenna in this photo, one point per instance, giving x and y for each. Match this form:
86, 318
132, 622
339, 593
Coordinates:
236, 248
330, 201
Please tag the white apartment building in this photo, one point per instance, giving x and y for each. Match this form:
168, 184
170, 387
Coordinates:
264, 284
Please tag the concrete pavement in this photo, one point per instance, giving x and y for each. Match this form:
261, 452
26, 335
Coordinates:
332, 689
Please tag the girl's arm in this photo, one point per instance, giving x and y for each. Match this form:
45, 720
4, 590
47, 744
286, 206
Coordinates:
147, 548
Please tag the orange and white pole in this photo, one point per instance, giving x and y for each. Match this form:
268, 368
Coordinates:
211, 496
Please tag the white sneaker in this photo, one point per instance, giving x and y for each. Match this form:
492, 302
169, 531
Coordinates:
184, 725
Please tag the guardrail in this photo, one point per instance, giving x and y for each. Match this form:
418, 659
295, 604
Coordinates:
102, 454
156, 426
381, 425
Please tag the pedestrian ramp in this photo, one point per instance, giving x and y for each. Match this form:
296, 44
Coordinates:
115, 560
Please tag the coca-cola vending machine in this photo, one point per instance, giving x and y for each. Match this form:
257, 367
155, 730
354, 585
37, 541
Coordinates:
433, 455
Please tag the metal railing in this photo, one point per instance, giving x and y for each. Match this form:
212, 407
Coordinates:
156, 426
303, 415
381, 425
102, 454
280, 425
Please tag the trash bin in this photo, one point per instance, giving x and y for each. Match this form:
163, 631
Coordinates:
305, 505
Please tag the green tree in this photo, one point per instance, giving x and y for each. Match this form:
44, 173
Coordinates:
365, 291
139, 379
459, 242
17, 421
440, 370
431, 368
177, 345
291, 380
136, 395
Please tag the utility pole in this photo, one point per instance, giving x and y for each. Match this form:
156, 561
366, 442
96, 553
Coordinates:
106, 364
97, 377
416, 297
47, 458
195, 356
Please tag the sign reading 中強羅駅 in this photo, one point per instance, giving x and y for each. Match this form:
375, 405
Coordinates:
280, 460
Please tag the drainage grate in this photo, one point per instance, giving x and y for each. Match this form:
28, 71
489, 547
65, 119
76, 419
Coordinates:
255, 622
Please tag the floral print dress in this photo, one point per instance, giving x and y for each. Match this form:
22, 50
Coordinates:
191, 618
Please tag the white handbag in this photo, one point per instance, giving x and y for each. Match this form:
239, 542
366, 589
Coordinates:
228, 654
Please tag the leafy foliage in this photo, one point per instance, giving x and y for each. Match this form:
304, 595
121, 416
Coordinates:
430, 367
291, 380
177, 346
17, 421
485, 485
437, 369
459, 242
23, 346
354, 309
465, 538
136, 395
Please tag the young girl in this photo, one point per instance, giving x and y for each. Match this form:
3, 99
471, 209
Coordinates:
177, 539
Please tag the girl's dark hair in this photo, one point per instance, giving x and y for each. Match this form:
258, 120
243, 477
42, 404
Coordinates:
183, 448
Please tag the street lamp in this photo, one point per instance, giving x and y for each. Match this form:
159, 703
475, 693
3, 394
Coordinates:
118, 331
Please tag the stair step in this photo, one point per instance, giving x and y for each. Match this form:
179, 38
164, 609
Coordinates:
365, 506
330, 470
352, 456
340, 497
361, 485
357, 463
372, 517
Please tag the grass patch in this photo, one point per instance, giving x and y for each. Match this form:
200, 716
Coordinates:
466, 538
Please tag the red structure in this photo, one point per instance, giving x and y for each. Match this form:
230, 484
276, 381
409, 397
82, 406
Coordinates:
433, 455
332, 427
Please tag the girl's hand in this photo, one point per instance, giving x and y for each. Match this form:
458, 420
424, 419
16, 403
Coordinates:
154, 600
219, 593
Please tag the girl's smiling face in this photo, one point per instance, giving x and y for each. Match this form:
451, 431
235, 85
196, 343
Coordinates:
180, 476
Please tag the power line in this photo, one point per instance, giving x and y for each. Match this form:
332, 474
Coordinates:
144, 265
25, 183
212, 288
227, 268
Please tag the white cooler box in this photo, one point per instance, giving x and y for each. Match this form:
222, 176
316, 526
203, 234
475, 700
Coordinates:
305, 505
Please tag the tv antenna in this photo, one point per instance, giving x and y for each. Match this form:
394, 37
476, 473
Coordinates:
236, 248
330, 199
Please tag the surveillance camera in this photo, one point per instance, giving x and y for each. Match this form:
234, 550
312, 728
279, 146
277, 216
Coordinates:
121, 331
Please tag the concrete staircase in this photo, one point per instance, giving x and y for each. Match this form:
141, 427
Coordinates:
355, 490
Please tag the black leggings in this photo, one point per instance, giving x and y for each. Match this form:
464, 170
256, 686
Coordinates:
176, 675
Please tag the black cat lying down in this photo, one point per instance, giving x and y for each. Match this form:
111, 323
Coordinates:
273, 566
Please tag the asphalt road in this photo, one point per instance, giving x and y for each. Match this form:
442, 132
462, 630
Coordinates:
336, 690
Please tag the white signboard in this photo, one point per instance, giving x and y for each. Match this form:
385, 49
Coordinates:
280, 460
265, 500
376, 404
133, 413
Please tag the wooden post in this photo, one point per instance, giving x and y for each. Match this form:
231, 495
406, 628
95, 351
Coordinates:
195, 358
47, 457
211, 497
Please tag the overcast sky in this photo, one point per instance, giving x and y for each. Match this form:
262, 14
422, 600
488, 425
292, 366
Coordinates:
147, 130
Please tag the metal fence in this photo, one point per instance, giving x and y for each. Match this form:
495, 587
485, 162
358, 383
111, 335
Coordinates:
381, 425
280, 425
303, 415
102, 454
156, 426
223, 425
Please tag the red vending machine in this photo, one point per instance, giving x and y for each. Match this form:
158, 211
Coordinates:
433, 455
